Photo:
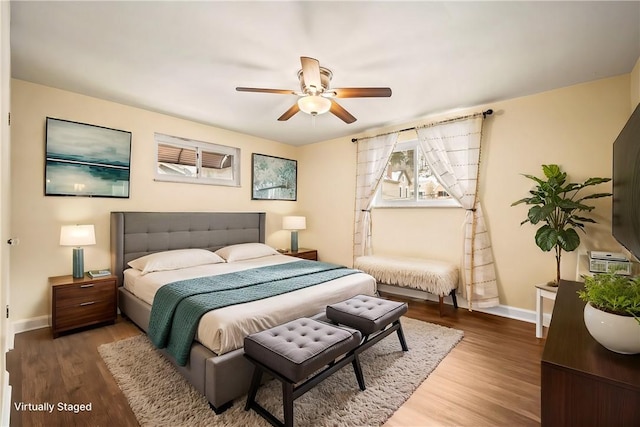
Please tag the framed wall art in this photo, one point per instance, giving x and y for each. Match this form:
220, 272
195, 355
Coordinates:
273, 178
86, 160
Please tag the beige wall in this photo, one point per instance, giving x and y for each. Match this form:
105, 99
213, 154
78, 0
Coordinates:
574, 127
36, 219
635, 85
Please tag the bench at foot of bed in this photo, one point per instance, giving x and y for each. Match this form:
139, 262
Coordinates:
294, 351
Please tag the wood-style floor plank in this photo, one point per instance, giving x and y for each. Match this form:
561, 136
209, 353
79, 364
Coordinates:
491, 378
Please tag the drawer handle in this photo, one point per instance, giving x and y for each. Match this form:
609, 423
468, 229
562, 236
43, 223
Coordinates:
86, 303
87, 286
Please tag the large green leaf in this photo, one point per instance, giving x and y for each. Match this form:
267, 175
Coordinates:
546, 238
594, 196
595, 181
539, 213
551, 171
568, 239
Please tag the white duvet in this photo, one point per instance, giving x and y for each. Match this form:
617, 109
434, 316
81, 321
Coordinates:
224, 329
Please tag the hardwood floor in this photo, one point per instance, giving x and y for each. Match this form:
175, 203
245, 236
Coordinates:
491, 378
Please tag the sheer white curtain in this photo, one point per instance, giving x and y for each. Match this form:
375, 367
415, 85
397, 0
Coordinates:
452, 150
372, 158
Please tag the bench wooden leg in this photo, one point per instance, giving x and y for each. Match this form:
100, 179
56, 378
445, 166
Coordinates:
454, 298
287, 401
358, 370
253, 389
403, 342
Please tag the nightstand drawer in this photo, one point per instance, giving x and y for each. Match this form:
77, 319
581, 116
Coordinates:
85, 314
74, 295
311, 255
80, 302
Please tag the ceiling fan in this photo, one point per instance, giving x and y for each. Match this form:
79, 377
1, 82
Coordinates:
316, 96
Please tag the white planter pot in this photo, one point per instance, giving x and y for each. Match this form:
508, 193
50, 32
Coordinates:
617, 333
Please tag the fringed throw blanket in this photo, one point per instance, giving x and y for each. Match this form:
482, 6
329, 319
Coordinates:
178, 306
434, 276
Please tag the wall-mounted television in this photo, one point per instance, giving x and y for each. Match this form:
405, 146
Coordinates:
86, 160
626, 185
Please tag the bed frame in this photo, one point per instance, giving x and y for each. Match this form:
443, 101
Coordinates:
134, 234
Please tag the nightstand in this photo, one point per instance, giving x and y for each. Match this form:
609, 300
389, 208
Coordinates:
303, 253
76, 303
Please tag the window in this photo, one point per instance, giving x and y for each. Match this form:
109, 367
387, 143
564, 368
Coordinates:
186, 160
408, 181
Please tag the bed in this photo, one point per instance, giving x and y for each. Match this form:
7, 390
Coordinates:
215, 366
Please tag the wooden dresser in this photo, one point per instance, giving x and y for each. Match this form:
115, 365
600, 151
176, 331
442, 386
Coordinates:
82, 302
583, 383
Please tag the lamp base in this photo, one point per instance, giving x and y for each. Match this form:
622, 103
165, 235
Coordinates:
294, 241
78, 263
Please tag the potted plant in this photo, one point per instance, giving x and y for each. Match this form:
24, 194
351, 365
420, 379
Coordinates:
558, 205
612, 312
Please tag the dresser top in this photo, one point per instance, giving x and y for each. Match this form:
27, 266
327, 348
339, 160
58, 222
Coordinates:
570, 346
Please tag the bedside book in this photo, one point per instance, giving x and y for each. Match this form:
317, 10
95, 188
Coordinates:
98, 273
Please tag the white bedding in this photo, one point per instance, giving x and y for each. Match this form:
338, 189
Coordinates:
224, 329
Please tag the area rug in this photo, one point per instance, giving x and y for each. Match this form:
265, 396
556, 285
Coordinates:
160, 396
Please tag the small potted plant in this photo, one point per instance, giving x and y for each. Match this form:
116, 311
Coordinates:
612, 312
558, 205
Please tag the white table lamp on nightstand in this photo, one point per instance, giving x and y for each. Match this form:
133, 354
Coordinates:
77, 236
294, 223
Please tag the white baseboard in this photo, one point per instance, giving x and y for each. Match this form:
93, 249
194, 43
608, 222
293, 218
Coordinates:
25, 325
6, 401
528, 316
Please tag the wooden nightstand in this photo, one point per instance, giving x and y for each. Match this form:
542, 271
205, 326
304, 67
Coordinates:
303, 253
76, 303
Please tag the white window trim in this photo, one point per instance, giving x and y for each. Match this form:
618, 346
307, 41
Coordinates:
379, 202
199, 146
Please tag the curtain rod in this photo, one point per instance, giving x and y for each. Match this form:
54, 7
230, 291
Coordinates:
484, 115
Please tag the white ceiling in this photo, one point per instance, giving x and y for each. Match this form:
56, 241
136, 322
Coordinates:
186, 58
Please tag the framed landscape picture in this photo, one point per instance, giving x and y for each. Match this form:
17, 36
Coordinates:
273, 178
86, 160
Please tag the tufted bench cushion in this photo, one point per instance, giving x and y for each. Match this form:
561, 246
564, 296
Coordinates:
299, 348
297, 351
366, 313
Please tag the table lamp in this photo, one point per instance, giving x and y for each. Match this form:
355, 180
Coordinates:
77, 236
294, 223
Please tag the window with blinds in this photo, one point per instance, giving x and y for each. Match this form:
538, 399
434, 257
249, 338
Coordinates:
187, 160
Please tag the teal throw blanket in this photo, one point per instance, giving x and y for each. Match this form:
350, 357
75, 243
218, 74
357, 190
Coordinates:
178, 306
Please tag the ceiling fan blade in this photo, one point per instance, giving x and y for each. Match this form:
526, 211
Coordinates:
341, 113
311, 72
362, 92
255, 89
289, 113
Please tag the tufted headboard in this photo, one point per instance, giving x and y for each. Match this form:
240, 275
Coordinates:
135, 234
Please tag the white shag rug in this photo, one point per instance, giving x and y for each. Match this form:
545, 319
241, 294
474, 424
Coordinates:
160, 396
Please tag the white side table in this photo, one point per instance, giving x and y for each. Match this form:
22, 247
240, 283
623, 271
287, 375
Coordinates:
543, 291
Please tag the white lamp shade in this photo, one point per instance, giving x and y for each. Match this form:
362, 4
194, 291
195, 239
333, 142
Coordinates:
77, 235
314, 105
294, 223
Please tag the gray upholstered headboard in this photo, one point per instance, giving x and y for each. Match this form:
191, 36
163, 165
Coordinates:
135, 234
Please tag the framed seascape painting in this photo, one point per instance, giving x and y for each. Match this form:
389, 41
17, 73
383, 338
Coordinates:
273, 178
86, 160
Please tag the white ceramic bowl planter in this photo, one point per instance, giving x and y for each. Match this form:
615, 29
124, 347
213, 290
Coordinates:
617, 333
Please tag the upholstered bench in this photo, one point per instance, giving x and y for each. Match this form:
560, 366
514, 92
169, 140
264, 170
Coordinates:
433, 276
292, 353
374, 317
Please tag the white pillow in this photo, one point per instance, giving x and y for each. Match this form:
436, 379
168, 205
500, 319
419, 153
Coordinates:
245, 251
174, 260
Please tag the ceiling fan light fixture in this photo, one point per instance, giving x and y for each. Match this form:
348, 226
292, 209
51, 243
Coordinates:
314, 104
